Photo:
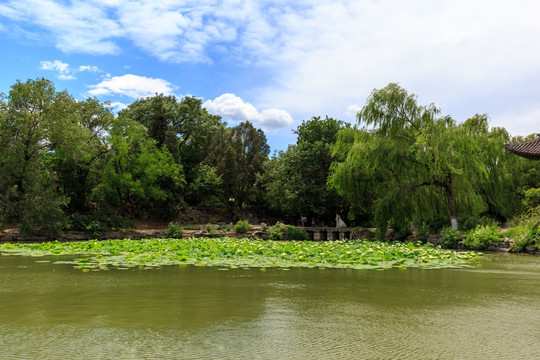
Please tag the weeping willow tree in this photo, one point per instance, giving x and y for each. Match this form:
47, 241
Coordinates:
405, 163
505, 181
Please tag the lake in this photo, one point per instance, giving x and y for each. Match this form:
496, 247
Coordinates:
54, 311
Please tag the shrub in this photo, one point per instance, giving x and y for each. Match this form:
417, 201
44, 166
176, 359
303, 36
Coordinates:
242, 227
276, 231
191, 227
87, 223
175, 230
99, 222
450, 239
295, 233
482, 237
471, 222
210, 229
422, 233
120, 222
532, 198
525, 235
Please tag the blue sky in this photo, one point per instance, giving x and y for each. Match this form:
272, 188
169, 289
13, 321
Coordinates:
277, 63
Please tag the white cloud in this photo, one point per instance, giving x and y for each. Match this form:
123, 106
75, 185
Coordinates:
520, 121
271, 119
77, 26
55, 65
236, 109
89, 68
132, 86
172, 30
352, 110
323, 55
8, 11
117, 106
465, 56
63, 69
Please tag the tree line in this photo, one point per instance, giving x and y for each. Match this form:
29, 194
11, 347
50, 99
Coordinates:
67, 163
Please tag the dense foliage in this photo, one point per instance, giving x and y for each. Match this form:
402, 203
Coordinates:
175, 230
238, 154
407, 166
242, 227
66, 164
295, 180
63, 159
527, 234
295, 233
482, 237
526, 227
449, 239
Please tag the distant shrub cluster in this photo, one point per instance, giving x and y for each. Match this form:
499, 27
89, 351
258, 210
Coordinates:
529, 235
295, 233
526, 227
276, 231
449, 239
242, 227
482, 237
467, 223
96, 223
175, 230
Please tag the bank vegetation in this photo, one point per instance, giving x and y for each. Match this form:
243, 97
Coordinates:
70, 164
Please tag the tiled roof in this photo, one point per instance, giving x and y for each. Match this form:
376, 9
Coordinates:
529, 149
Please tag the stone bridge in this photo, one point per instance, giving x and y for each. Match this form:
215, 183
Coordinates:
328, 233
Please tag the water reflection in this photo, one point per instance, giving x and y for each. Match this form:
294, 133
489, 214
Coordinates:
53, 311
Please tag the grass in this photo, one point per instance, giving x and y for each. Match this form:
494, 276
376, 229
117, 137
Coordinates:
242, 227
230, 252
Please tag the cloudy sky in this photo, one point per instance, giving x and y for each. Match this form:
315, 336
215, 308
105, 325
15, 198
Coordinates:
276, 62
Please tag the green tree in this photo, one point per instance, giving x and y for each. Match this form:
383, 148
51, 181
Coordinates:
184, 127
238, 155
296, 180
139, 176
506, 177
420, 167
206, 189
28, 187
80, 149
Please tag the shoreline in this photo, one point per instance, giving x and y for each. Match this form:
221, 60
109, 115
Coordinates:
13, 235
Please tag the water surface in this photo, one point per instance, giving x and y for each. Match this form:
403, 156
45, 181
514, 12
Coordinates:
54, 311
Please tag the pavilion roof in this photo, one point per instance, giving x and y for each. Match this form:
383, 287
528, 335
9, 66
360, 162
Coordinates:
529, 149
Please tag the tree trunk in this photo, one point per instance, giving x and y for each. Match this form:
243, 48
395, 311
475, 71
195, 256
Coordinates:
450, 199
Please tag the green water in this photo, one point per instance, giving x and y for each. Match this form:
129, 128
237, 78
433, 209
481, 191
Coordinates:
55, 312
